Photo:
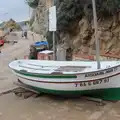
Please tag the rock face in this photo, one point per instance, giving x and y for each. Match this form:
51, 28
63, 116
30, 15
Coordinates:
80, 36
40, 23
84, 41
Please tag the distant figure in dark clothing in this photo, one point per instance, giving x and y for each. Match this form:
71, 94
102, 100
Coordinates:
11, 29
24, 31
25, 34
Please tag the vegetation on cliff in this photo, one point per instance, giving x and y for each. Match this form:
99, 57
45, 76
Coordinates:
32, 3
11, 24
70, 11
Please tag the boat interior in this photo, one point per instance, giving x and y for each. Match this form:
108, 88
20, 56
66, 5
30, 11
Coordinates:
60, 66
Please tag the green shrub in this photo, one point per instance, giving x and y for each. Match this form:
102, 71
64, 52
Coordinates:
32, 3
68, 11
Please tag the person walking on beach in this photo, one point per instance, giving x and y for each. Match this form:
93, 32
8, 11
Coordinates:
24, 32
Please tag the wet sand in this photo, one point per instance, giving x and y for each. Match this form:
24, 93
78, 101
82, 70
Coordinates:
45, 107
55, 108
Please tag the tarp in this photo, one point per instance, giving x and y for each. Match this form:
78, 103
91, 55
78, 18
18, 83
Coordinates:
38, 44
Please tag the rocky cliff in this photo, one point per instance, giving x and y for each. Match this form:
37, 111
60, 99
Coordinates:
75, 25
81, 37
39, 22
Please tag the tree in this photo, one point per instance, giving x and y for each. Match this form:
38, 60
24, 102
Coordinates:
69, 11
108, 7
32, 3
11, 24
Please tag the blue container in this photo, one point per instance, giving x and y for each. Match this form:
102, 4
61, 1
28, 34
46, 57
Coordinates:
38, 44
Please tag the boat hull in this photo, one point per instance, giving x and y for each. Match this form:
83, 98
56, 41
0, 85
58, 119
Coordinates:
109, 90
104, 83
105, 93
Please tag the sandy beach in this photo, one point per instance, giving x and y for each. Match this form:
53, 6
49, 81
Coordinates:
46, 107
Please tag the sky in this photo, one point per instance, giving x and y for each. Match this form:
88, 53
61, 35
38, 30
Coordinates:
15, 9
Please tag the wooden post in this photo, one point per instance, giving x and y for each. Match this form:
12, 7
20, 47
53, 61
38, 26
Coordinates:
50, 3
54, 47
54, 43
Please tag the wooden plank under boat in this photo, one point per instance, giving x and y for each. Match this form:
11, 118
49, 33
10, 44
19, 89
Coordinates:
70, 77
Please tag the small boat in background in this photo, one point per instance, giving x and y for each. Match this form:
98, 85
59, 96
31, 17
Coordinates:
70, 78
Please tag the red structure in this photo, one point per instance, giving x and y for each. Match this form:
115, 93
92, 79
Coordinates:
1, 42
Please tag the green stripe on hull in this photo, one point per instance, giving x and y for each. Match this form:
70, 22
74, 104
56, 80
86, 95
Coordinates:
105, 94
44, 76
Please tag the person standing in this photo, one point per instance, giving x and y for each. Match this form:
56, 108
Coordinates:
24, 32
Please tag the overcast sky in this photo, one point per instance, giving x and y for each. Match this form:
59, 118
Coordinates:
15, 9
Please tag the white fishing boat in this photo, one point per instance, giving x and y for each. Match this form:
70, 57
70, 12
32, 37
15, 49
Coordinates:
70, 78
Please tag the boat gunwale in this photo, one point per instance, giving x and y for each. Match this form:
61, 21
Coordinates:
97, 70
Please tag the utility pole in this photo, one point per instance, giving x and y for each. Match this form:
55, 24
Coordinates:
54, 47
52, 23
96, 35
54, 43
29, 16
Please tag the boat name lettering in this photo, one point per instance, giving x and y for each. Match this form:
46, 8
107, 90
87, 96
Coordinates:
90, 83
101, 72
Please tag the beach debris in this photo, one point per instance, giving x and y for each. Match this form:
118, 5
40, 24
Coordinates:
99, 102
7, 91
